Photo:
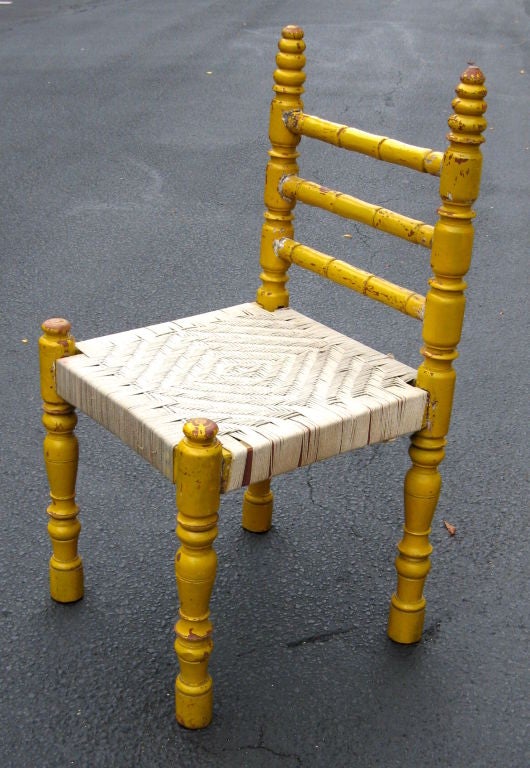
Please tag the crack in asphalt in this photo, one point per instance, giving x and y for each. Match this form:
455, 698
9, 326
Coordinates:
322, 637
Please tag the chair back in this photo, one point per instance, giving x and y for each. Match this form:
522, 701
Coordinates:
449, 241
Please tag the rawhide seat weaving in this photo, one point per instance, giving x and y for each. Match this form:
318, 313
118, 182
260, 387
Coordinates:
236, 396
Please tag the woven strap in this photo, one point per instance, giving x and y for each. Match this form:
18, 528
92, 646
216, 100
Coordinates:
284, 390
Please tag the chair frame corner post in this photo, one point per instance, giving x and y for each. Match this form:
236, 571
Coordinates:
442, 327
288, 87
61, 454
198, 468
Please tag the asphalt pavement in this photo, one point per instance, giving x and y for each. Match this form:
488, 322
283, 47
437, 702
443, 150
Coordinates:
134, 140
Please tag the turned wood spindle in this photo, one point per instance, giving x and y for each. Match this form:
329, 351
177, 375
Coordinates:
288, 87
442, 326
60, 457
198, 459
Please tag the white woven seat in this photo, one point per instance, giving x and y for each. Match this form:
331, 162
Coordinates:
284, 390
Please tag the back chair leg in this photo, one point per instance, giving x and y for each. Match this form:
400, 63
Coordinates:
422, 490
60, 456
442, 327
198, 464
258, 503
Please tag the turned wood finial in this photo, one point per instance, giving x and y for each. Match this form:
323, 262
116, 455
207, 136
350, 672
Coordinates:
460, 175
56, 326
200, 430
468, 122
56, 342
290, 60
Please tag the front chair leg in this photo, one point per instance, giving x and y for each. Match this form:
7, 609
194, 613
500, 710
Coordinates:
257, 507
60, 456
198, 464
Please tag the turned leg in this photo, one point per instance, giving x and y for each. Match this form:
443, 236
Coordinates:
60, 456
198, 479
422, 489
257, 507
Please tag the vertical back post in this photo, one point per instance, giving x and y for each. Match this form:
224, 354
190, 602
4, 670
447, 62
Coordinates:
288, 87
444, 315
452, 247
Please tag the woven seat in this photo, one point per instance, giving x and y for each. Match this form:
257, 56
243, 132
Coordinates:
235, 397
284, 390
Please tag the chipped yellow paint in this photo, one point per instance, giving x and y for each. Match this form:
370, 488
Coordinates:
350, 207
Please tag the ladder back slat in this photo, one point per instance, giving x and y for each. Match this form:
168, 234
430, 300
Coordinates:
310, 193
380, 147
404, 300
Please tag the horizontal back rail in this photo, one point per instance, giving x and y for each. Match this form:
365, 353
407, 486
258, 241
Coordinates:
342, 273
310, 193
380, 147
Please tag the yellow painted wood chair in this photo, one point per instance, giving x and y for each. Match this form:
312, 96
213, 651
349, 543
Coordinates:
233, 397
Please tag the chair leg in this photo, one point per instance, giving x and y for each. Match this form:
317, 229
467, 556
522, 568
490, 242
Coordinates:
60, 456
257, 507
198, 461
422, 489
